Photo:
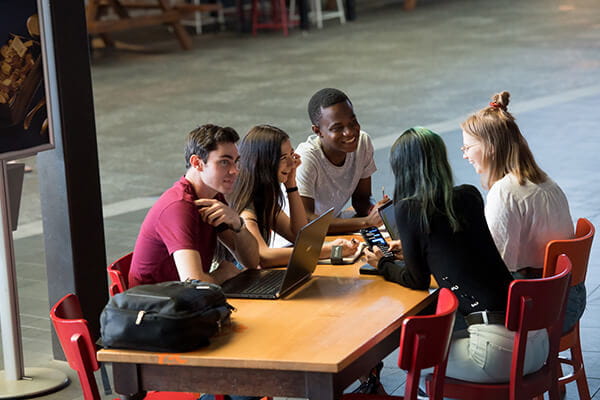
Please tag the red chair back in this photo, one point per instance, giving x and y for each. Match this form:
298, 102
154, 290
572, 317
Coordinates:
537, 304
74, 336
577, 249
424, 343
532, 304
119, 274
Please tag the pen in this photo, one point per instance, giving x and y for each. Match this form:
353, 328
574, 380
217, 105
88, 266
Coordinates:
383, 192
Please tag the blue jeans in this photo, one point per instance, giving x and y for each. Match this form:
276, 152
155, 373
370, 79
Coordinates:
576, 300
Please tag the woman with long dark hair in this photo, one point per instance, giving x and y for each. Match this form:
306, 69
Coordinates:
444, 233
267, 160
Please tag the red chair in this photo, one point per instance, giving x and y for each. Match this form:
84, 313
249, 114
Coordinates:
424, 343
278, 19
74, 336
578, 251
532, 304
118, 273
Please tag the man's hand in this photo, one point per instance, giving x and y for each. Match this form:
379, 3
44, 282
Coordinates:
215, 213
374, 219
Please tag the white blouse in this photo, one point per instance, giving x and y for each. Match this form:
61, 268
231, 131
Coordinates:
524, 218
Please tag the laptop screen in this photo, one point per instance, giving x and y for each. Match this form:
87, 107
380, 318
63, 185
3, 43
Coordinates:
306, 251
389, 219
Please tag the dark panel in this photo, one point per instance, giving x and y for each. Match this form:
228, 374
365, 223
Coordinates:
69, 175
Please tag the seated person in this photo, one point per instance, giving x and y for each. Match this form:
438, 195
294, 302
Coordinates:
444, 233
337, 163
267, 160
525, 208
179, 234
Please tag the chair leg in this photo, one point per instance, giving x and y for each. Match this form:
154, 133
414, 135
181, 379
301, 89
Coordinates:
582, 385
221, 16
292, 10
283, 16
319, 13
340, 7
254, 12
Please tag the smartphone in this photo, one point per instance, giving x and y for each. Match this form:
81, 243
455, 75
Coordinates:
373, 237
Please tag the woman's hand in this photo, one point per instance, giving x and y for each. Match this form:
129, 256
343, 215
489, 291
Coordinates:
296, 161
348, 246
396, 248
374, 256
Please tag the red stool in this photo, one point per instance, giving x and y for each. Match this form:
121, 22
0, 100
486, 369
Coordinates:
278, 20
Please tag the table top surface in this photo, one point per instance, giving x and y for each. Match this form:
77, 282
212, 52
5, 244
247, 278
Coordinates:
323, 326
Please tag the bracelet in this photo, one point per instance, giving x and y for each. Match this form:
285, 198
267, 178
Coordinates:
242, 224
292, 189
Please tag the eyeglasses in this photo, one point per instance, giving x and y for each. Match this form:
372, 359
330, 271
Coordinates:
466, 147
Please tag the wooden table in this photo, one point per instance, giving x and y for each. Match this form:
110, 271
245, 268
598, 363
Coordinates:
312, 344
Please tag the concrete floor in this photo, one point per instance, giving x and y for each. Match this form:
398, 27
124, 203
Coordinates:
430, 67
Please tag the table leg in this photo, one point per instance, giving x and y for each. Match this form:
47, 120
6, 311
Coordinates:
126, 381
410, 5
322, 387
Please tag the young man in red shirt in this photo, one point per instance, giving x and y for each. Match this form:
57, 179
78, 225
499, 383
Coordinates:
179, 235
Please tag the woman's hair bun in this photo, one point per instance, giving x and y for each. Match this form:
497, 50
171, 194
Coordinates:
501, 99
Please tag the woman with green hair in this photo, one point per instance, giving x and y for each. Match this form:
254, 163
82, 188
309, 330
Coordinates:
443, 232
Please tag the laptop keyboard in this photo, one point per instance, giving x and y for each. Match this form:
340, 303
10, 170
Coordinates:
268, 283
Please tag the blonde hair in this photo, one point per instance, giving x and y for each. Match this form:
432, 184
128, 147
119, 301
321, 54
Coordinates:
505, 150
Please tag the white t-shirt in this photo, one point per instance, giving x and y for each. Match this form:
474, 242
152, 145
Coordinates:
524, 218
327, 184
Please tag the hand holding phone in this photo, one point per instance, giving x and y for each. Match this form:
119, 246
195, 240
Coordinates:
373, 237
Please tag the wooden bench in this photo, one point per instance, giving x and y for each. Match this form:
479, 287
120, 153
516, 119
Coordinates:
168, 14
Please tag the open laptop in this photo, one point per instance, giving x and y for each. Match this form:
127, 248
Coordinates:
276, 283
387, 214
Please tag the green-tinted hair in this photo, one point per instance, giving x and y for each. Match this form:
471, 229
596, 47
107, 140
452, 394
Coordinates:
420, 165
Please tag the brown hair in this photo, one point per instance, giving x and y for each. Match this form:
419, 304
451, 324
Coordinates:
505, 150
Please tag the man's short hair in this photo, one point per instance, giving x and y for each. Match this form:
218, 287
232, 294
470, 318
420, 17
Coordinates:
205, 139
322, 99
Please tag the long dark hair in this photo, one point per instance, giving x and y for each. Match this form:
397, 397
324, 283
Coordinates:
420, 165
257, 186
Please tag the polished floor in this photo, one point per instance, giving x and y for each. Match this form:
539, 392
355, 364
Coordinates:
430, 67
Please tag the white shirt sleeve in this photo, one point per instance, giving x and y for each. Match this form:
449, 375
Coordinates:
367, 157
307, 173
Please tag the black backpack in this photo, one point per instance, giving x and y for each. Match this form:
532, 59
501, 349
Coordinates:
168, 316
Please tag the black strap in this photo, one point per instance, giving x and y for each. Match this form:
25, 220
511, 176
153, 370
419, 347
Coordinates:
105, 380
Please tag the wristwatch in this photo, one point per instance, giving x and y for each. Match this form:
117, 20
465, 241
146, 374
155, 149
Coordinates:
241, 226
